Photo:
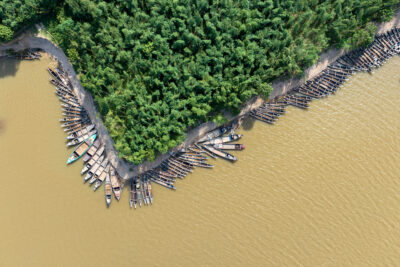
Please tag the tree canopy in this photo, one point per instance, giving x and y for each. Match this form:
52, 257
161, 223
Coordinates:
158, 67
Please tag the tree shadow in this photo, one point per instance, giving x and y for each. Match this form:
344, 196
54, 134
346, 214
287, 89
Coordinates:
2, 126
248, 123
8, 66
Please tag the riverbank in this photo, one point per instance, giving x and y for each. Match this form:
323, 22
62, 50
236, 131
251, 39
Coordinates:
311, 190
283, 86
127, 170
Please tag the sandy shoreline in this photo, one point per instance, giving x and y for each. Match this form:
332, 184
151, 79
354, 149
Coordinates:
127, 170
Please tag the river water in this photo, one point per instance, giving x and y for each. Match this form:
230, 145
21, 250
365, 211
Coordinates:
321, 187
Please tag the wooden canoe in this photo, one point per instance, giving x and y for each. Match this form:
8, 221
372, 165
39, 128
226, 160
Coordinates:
81, 149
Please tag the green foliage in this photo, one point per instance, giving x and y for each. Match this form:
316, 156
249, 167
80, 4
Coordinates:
73, 55
17, 13
5, 33
159, 67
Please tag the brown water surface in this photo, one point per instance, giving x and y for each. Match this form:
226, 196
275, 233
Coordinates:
321, 187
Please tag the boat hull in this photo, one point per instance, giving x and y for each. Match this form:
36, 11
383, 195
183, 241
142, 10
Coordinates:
73, 158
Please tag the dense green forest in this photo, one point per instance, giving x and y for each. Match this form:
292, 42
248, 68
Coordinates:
157, 68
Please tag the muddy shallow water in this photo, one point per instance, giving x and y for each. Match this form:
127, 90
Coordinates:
321, 187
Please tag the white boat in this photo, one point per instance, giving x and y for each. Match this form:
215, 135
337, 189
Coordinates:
223, 139
108, 190
213, 134
79, 140
92, 150
77, 133
115, 183
94, 168
81, 149
102, 177
98, 172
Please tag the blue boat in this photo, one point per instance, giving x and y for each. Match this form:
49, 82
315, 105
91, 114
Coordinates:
82, 149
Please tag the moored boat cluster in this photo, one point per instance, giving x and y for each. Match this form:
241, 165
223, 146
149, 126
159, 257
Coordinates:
329, 80
97, 169
27, 54
183, 162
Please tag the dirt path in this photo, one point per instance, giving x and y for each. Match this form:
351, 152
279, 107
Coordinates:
127, 170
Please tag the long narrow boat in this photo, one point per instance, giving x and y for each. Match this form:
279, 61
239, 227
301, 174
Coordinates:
163, 183
71, 115
213, 134
76, 127
191, 156
220, 153
116, 184
98, 172
89, 154
94, 168
93, 160
78, 132
229, 146
73, 123
108, 190
205, 151
62, 92
223, 139
169, 174
139, 192
82, 149
131, 194
71, 118
143, 185
149, 188
62, 75
134, 181
80, 139
69, 101
67, 108
75, 111
202, 164
58, 84
102, 177
62, 87
146, 197
67, 96
54, 74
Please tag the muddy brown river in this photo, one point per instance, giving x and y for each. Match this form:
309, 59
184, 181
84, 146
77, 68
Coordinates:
319, 188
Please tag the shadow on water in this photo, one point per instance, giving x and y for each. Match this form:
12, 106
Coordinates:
2, 126
8, 67
248, 123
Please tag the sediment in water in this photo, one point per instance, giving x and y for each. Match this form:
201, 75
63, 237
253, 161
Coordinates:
128, 170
